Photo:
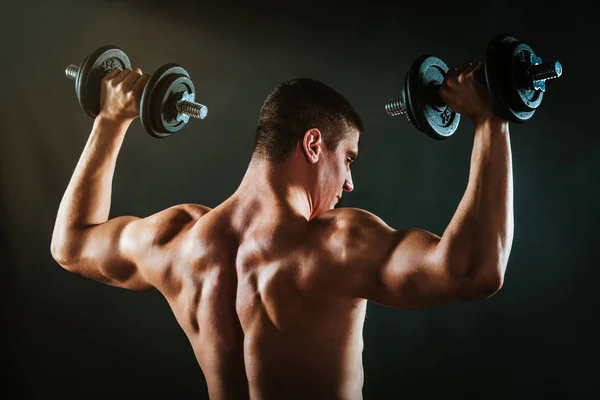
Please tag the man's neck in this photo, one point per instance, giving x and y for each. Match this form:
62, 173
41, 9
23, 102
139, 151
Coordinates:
276, 185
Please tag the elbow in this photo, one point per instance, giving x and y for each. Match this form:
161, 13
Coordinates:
67, 248
486, 282
489, 284
57, 252
62, 255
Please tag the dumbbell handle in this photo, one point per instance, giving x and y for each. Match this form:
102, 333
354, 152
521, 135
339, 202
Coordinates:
539, 73
184, 107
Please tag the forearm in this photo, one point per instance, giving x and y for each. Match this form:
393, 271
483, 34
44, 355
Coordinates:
478, 240
86, 200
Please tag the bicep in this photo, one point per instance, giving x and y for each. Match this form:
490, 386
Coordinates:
395, 268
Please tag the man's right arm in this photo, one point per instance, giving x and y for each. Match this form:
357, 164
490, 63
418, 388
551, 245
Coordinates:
414, 268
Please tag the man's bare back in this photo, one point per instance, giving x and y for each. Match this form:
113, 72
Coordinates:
271, 286
248, 289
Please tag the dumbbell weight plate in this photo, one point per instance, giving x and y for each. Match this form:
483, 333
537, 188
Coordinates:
423, 105
506, 62
169, 84
89, 79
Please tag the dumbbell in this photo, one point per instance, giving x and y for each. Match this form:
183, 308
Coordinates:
420, 100
167, 101
514, 76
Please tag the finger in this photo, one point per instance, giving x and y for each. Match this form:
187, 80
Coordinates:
456, 75
472, 68
445, 93
451, 74
463, 67
131, 78
121, 77
112, 74
140, 84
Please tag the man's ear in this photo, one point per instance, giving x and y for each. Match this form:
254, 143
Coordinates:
312, 145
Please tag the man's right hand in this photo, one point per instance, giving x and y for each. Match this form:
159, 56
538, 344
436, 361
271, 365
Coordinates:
465, 92
121, 93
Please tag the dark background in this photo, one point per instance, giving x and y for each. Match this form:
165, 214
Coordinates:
67, 336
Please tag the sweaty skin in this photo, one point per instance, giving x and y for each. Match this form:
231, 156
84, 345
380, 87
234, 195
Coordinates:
271, 286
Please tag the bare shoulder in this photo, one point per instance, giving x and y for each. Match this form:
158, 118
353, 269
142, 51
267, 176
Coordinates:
163, 226
151, 241
347, 242
180, 214
195, 211
346, 221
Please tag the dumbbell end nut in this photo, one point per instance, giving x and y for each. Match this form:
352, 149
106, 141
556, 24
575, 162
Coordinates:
72, 71
545, 71
396, 106
192, 109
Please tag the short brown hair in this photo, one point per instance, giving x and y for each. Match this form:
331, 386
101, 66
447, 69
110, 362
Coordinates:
296, 106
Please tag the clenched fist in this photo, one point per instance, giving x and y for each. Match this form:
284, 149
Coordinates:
120, 94
465, 92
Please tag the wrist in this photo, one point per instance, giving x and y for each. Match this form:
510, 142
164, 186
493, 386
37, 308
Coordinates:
111, 123
491, 123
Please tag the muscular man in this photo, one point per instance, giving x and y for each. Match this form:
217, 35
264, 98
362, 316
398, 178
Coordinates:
272, 285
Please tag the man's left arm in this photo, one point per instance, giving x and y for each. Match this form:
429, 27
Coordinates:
84, 241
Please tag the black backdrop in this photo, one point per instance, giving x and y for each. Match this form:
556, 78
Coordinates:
67, 336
